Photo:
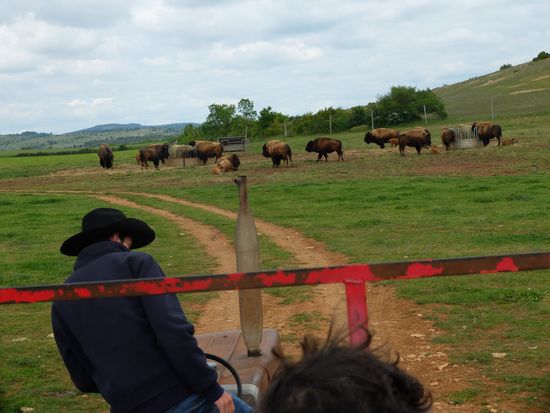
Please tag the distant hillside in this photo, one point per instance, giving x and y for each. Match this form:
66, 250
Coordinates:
111, 127
113, 133
521, 90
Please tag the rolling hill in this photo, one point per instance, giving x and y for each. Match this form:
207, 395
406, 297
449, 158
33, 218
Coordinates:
114, 134
522, 90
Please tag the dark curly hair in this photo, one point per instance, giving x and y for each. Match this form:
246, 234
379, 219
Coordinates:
335, 377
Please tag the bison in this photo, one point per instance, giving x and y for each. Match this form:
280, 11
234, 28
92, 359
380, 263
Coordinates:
324, 146
207, 149
106, 156
509, 141
278, 151
448, 137
182, 151
381, 136
226, 163
416, 137
394, 142
155, 154
487, 131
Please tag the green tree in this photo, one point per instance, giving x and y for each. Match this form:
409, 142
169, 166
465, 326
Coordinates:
219, 120
246, 114
190, 133
406, 103
357, 116
271, 123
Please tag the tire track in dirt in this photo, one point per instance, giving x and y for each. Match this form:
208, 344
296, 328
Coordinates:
399, 325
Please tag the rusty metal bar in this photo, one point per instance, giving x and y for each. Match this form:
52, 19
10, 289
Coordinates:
276, 278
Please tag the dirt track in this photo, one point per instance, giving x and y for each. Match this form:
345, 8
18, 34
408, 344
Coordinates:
398, 324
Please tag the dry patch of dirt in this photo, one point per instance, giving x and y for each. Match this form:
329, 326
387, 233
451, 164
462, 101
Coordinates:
540, 78
492, 81
519, 92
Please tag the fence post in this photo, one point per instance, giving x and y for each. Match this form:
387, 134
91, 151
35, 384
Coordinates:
248, 260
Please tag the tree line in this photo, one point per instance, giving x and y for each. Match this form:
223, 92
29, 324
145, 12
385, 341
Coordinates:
400, 104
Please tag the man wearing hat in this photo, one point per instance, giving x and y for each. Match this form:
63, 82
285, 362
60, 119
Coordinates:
138, 352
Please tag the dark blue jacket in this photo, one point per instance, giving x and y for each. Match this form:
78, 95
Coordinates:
138, 352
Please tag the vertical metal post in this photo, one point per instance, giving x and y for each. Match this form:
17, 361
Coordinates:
356, 297
248, 260
492, 109
371, 120
425, 116
285, 129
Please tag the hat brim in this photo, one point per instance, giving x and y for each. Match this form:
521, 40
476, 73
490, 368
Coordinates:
141, 233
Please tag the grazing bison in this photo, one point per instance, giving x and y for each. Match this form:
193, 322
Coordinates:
381, 136
448, 137
324, 146
416, 137
207, 149
487, 131
182, 151
509, 141
278, 151
106, 156
155, 154
226, 163
394, 142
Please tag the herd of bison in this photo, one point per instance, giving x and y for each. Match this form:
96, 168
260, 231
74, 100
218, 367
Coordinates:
278, 151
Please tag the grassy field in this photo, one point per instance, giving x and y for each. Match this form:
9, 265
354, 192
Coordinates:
376, 206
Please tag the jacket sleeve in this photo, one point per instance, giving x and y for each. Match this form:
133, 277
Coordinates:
175, 336
72, 356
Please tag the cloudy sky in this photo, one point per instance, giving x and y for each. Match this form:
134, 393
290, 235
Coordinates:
67, 65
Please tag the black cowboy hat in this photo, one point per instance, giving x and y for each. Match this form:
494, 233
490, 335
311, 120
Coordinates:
102, 222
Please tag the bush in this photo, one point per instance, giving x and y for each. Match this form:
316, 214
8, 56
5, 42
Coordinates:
505, 66
406, 104
541, 56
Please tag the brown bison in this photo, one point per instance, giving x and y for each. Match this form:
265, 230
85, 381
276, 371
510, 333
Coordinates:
226, 163
324, 146
416, 137
207, 149
509, 141
487, 131
448, 137
278, 151
394, 142
155, 154
381, 136
106, 156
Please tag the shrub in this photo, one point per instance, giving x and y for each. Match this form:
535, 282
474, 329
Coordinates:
541, 56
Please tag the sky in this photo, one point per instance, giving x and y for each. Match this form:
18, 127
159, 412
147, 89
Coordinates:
67, 65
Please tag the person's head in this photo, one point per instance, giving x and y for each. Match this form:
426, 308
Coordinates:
338, 378
108, 223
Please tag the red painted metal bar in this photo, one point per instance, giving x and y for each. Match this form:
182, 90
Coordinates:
356, 299
235, 281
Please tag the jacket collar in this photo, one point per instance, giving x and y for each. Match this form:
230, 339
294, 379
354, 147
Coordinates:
96, 250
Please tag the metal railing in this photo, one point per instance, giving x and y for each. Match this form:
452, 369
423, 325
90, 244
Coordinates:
353, 277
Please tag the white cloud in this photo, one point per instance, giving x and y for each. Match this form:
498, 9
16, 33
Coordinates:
160, 61
90, 103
